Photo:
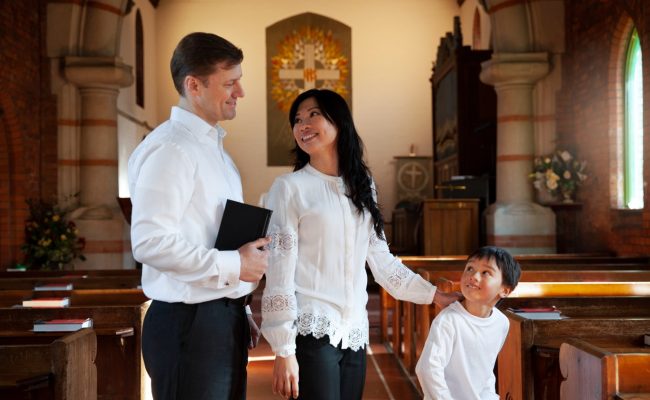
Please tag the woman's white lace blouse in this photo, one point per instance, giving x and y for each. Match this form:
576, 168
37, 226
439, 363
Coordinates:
316, 279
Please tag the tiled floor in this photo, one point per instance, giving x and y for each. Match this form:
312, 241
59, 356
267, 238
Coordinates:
384, 377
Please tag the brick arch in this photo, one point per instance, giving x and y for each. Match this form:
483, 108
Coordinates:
13, 209
616, 95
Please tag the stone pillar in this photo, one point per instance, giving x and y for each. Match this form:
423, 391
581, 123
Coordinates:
98, 216
515, 222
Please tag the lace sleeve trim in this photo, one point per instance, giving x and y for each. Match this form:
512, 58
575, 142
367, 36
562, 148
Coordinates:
278, 302
375, 240
398, 276
283, 242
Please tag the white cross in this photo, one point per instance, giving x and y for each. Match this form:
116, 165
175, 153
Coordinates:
309, 73
414, 173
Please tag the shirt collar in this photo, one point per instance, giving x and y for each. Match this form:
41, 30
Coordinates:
195, 124
310, 169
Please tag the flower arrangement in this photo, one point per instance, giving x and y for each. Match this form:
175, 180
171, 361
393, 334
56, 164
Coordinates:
51, 241
559, 173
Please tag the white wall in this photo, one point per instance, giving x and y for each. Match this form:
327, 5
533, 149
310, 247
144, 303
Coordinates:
393, 46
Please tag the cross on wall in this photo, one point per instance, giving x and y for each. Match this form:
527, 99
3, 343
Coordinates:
309, 74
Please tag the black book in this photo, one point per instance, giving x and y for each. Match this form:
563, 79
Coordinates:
241, 223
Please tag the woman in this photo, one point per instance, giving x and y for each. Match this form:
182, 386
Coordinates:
325, 226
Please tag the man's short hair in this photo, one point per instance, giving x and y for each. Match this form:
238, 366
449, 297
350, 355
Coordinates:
198, 54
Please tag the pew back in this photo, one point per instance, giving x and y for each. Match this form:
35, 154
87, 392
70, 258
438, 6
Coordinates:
68, 361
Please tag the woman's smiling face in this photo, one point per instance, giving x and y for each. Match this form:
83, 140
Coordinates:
314, 133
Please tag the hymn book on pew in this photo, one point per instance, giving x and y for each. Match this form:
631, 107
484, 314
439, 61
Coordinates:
538, 312
241, 223
53, 286
62, 325
47, 302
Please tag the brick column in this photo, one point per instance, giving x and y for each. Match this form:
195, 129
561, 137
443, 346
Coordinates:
514, 221
98, 216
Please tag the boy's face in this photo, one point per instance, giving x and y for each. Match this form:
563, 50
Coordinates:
482, 282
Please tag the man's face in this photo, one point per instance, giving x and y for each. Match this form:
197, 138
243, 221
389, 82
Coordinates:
215, 96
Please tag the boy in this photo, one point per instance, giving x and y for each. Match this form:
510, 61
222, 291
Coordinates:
465, 338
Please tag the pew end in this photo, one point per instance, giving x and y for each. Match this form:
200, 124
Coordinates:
604, 370
62, 369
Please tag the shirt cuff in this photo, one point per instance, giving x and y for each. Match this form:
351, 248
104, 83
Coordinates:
248, 310
286, 351
229, 265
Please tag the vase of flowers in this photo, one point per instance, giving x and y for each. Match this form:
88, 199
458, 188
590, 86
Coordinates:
51, 240
559, 174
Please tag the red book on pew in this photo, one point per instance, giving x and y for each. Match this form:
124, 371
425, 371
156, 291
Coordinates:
47, 302
62, 325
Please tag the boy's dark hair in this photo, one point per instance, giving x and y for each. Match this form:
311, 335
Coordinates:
510, 269
198, 54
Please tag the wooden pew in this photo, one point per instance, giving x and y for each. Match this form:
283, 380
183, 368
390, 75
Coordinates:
63, 369
83, 297
79, 282
71, 273
600, 370
530, 355
95, 282
117, 316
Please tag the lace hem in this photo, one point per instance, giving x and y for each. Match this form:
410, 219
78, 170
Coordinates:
319, 326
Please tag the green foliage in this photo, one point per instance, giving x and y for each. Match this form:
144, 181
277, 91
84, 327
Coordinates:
51, 241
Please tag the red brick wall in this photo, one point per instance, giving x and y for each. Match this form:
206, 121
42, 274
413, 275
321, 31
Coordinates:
28, 144
589, 118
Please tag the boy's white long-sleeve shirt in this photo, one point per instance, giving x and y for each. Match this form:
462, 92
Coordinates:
458, 359
316, 279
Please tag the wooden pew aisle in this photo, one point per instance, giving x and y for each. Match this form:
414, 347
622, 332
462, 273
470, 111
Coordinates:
62, 368
602, 370
117, 315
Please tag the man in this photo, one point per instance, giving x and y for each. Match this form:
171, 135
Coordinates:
197, 330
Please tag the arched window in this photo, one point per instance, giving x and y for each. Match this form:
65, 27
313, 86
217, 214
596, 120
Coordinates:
633, 134
139, 60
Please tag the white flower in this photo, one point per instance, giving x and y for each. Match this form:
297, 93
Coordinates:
566, 156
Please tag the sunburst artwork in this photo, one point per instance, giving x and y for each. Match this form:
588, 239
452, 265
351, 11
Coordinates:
312, 52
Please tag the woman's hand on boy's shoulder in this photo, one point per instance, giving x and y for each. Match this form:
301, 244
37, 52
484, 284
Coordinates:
444, 299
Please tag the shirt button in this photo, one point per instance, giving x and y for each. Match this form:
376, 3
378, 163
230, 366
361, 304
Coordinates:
227, 283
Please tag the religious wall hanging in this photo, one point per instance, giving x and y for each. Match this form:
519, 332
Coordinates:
303, 52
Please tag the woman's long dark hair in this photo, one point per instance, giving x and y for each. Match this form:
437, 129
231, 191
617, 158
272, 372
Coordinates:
349, 146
